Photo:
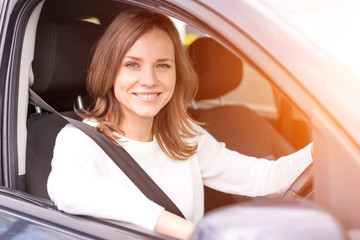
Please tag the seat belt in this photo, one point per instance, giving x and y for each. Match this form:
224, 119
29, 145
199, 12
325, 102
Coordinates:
120, 157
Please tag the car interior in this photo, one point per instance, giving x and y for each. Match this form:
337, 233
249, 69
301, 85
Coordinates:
57, 48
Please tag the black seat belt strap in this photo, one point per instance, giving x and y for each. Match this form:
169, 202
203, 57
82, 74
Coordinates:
121, 158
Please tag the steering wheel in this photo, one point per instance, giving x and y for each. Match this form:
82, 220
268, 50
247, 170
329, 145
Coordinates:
302, 187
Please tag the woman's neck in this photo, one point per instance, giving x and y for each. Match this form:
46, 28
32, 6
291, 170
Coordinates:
140, 130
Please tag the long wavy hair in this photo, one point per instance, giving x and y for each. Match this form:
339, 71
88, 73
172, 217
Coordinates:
172, 126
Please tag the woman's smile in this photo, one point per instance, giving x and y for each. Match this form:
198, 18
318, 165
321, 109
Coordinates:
147, 97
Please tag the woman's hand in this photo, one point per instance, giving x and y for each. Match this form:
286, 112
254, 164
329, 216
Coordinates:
172, 225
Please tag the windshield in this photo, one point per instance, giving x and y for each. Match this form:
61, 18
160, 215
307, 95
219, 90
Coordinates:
333, 25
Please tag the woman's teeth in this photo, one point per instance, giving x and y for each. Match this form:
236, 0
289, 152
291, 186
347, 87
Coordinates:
146, 95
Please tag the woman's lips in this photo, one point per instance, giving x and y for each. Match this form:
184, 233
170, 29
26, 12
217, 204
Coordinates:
147, 96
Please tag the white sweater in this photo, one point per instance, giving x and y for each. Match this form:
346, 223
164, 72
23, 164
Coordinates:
84, 180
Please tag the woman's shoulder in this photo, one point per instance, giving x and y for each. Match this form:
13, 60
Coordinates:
70, 134
197, 128
201, 135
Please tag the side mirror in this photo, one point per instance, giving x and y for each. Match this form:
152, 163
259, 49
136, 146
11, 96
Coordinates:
267, 220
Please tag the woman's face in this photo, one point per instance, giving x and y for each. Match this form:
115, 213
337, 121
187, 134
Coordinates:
146, 79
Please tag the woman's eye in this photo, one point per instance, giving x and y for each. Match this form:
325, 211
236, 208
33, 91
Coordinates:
164, 65
132, 65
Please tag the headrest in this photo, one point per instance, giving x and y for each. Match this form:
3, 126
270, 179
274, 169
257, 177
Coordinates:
62, 56
219, 70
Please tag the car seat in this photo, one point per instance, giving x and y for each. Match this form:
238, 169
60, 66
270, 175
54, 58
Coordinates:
61, 59
219, 72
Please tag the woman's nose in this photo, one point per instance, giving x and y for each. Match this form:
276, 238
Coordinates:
148, 78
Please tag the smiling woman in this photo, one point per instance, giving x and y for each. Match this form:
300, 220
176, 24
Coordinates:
115, 49
142, 82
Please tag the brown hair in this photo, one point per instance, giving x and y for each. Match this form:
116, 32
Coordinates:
172, 125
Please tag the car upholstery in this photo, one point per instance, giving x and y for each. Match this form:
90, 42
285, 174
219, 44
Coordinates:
62, 56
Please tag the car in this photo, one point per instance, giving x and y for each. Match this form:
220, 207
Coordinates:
283, 74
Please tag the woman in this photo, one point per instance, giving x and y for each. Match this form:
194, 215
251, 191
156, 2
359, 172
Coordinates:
142, 82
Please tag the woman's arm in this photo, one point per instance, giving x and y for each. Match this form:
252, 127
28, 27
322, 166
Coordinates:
172, 225
235, 173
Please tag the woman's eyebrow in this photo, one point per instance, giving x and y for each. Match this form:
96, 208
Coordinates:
159, 60
133, 58
165, 60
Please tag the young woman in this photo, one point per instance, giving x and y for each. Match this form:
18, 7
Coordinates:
142, 83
